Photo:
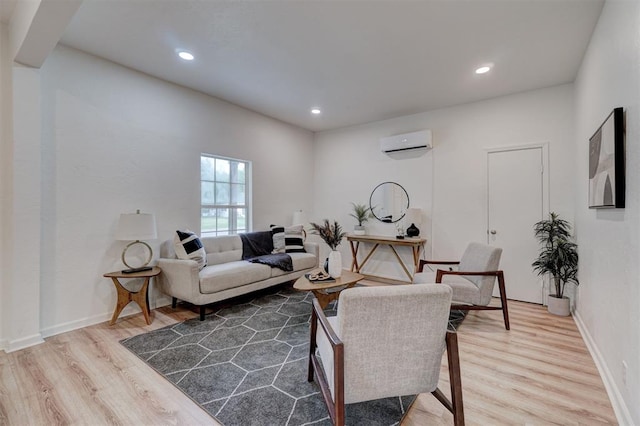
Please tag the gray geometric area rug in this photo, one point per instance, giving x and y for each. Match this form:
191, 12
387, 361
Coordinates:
246, 364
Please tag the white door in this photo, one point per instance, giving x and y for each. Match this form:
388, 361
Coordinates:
515, 203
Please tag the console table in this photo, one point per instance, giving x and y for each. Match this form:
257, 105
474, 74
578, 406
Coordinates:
416, 245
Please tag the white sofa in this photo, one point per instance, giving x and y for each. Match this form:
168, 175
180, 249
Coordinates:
226, 274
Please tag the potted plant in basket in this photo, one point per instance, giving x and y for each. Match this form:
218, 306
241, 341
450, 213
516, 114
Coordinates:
361, 213
332, 234
558, 257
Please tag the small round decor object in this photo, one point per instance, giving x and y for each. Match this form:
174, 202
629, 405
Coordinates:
413, 231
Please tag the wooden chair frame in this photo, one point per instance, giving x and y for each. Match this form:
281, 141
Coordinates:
337, 408
470, 307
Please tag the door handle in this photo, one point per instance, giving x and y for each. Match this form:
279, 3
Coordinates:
493, 232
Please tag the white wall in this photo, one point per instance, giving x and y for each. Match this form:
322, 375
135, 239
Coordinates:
5, 108
115, 140
609, 240
450, 181
349, 165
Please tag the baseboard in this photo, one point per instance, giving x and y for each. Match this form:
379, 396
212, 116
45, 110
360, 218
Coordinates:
24, 342
131, 309
4, 343
617, 402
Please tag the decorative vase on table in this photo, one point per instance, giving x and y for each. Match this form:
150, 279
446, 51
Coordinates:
335, 264
359, 230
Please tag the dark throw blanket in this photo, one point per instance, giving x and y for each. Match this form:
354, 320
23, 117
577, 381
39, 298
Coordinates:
256, 244
279, 260
257, 248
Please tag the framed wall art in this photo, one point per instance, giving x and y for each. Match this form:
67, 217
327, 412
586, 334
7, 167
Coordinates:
606, 163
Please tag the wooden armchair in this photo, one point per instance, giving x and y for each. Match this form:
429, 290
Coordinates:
384, 342
473, 282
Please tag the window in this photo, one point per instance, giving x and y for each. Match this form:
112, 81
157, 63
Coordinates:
224, 195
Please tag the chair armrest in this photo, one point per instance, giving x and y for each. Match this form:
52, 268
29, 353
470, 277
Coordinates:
440, 273
436, 262
179, 278
319, 315
335, 404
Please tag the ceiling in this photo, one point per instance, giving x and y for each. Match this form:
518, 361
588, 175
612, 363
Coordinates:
359, 61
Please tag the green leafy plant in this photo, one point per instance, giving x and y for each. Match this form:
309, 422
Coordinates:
558, 255
331, 233
361, 213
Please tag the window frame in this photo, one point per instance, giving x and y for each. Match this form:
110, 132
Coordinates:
232, 228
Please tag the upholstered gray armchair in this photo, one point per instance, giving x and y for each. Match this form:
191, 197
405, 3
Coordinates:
473, 281
384, 341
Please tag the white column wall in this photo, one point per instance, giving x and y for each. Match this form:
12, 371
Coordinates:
22, 234
450, 181
115, 140
609, 240
5, 155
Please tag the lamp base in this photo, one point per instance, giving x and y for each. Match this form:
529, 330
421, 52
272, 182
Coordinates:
134, 270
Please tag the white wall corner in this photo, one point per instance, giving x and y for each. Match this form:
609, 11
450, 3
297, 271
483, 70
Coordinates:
131, 309
623, 415
24, 342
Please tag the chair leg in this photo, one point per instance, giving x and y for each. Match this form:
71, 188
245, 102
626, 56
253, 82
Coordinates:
174, 302
503, 299
455, 378
202, 311
312, 344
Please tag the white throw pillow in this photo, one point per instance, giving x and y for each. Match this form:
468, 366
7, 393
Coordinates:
189, 247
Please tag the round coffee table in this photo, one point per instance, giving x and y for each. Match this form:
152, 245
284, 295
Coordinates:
347, 280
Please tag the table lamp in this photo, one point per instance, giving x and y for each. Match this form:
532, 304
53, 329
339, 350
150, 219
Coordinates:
299, 218
413, 216
135, 227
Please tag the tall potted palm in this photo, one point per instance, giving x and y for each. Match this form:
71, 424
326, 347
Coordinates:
558, 258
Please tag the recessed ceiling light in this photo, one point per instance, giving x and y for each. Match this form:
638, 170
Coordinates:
315, 111
187, 56
483, 70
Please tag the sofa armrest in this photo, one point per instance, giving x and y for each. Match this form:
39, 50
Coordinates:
180, 278
312, 248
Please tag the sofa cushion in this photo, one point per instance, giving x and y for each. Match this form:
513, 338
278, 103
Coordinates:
222, 249
223, 276
288, 239
300, 261
189, 247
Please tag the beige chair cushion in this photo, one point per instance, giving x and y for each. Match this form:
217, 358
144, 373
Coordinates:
464, 291
393, 336
476, 290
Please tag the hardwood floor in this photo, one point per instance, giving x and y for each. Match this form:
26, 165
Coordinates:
539, 372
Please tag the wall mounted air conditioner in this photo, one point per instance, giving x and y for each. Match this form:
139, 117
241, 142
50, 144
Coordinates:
405, 142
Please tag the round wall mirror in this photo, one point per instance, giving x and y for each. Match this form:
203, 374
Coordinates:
389, 202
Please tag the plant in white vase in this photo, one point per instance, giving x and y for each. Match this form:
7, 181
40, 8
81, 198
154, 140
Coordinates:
332, 234
558, 257
361, 213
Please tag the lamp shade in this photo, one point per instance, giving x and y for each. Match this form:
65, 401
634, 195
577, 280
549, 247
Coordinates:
414, 215
136, 226
299, 218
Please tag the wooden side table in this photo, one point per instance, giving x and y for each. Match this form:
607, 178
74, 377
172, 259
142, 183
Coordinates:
125, 296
